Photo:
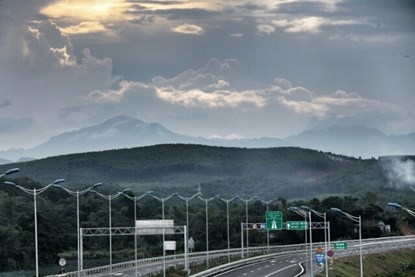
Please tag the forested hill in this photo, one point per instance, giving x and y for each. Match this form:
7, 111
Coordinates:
273, 172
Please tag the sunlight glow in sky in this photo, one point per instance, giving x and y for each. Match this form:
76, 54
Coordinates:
206, 68
94, 10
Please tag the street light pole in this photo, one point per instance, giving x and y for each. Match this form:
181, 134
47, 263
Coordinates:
227, 201
247, 222
305, 214
162, 200
135, 198
187, 199
34, 192
77, 194
206, 200
357, 219
267, 203
326, 230
110, 198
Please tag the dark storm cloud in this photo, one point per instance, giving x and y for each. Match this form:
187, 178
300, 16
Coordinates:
303, 7
250, 7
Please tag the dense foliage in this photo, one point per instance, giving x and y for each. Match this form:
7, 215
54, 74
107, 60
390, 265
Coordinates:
286, 172
360, 187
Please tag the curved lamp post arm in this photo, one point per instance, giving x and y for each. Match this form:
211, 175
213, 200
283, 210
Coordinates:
397, 206
226, 200
56, 182
269, 201
77, 193
209, 199
357, 219
188, 198
319, 214
136, 198
298, 211
163, 199
351, 217
110, 196
249, 199
34, 191
10, 171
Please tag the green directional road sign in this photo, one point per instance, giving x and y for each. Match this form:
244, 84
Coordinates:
296, 225
340, 246
274, 220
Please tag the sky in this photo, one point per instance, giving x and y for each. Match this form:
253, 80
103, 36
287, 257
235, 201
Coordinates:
228, 69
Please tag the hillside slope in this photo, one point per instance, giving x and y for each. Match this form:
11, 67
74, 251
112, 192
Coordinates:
287, 172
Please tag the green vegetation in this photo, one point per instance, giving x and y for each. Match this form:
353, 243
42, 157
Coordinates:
288, 172
293, 176
391, 264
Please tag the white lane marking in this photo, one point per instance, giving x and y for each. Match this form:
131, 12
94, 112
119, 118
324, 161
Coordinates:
302, 270
279, 270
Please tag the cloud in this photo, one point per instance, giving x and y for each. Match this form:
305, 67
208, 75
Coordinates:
189, 29
312, 24
91, 10
47, 55
114, 95
217, 99
84, 28
265, 29
399, 171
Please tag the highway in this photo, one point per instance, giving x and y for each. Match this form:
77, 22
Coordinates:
278, 266
284, 260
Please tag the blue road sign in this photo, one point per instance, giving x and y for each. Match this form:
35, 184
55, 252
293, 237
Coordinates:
320, 258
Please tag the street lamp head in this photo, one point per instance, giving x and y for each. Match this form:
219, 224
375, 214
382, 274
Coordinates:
124, 191
58, 181
336, 210
394, 205
11, 171
305, 208
96, 185
10, 183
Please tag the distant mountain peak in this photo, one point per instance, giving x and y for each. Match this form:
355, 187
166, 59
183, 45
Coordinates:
121, 120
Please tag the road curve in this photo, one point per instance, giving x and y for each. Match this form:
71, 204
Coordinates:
277, 266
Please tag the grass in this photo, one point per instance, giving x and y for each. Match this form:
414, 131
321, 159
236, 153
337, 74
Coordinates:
399, 263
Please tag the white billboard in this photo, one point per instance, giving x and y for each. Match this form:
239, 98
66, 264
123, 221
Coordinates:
154, 227
170, 245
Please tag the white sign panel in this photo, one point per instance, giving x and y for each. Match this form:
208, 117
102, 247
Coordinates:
170, 245
154, 227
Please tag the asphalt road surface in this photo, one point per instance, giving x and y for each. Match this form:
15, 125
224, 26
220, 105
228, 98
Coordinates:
278, 266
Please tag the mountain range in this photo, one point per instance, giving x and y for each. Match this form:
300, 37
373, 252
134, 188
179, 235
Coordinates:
127, 132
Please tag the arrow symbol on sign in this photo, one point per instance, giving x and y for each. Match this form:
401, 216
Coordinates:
288, 226
274, 224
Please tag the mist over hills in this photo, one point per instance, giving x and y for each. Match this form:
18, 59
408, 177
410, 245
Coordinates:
126, 132
288, 172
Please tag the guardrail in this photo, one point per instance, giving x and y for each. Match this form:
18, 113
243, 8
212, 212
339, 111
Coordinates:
397, 242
